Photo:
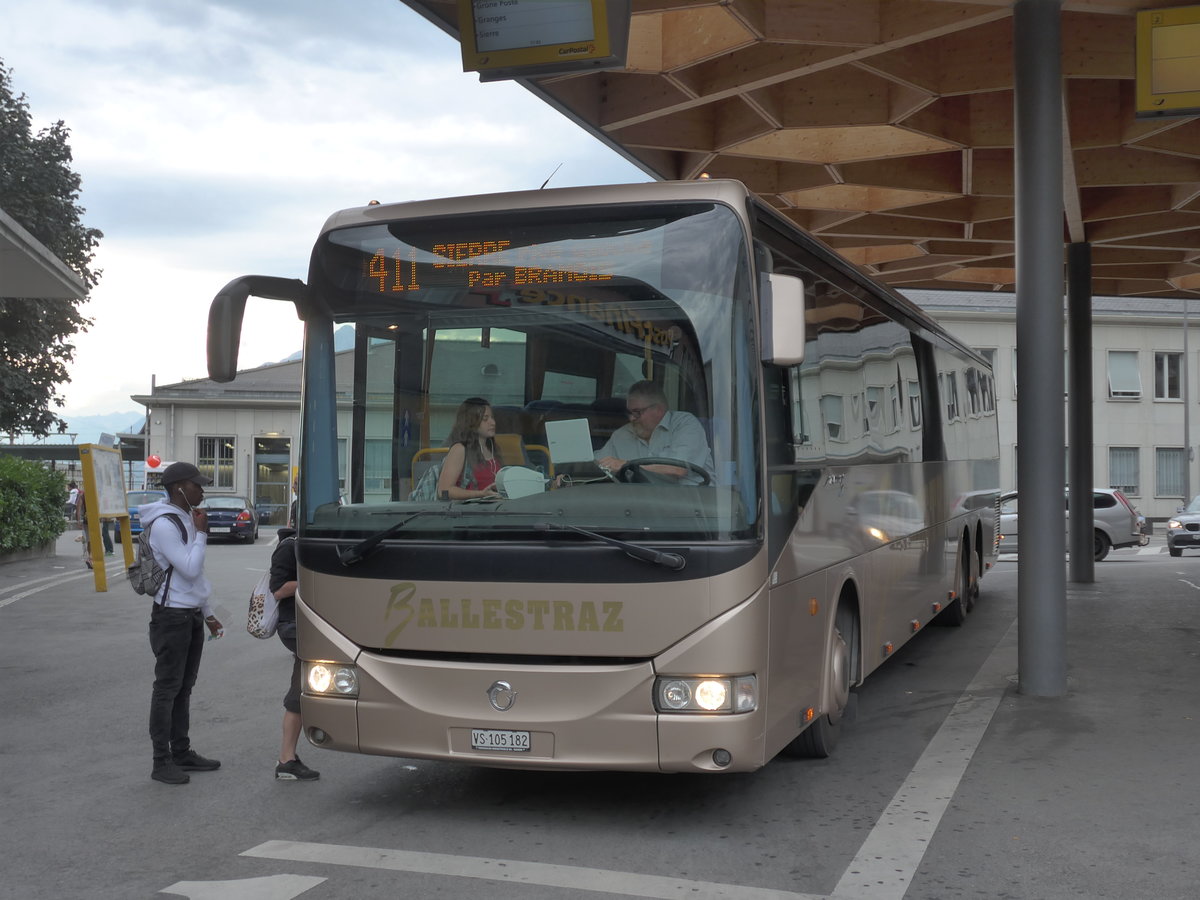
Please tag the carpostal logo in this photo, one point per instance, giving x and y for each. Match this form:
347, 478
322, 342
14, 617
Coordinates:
406, 610
577, 50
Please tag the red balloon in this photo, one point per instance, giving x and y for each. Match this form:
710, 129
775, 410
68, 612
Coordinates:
153, 461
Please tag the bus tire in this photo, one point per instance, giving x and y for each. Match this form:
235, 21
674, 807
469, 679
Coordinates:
955, 614
820, 738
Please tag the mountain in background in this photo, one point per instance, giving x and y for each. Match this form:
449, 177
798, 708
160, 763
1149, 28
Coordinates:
343, 339
87, 429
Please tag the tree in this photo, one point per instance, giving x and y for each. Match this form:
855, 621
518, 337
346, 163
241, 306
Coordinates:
39, 190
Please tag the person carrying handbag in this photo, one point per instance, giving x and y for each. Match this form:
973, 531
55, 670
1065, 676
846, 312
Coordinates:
283, 587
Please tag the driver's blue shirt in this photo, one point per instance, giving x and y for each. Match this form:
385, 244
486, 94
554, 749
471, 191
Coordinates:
678, 436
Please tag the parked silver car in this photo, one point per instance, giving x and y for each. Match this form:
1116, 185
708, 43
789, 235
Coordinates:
1183, 529
1117, 523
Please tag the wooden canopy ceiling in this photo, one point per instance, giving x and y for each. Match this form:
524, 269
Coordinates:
885, 127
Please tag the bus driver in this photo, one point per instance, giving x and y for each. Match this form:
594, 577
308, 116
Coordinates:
653, 430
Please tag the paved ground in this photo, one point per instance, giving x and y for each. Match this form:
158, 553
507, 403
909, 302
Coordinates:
951, 784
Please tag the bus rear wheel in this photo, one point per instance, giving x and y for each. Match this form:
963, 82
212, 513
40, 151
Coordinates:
821, 737
956, 613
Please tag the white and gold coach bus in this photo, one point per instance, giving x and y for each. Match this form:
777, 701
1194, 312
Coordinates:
629, 619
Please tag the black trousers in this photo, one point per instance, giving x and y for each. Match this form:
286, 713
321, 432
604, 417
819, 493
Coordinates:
177, 640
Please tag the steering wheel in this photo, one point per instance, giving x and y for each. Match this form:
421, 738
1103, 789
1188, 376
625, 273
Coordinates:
632, 472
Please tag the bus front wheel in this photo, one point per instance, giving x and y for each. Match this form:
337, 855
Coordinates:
820, 738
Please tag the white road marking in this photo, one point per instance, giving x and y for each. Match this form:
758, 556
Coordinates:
882, 870
891, 854
54, 581
1189, 584
602, 881
269, 887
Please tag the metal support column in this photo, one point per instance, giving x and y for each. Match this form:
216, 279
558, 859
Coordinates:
1080, 428
1041, 571
1185, 383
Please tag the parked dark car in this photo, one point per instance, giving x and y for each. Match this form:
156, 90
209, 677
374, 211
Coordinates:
134, 499
1183, 529
232, 517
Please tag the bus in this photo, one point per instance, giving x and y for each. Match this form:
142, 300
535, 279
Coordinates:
701, 620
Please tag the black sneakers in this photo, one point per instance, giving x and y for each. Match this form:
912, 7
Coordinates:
191, 761
294, 770
169, 773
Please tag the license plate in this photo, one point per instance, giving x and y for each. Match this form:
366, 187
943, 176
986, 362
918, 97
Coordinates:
490, 739
218, 529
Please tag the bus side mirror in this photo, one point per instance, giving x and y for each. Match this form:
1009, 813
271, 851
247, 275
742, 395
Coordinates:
228, 308
782, 318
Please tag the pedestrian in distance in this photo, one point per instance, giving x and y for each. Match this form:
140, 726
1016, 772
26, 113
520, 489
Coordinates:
282, 585
72, 499
181, 611
85, 536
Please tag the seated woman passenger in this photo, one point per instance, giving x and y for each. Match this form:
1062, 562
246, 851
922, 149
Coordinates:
472, 462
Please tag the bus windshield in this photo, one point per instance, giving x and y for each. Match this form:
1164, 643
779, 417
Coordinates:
569, 326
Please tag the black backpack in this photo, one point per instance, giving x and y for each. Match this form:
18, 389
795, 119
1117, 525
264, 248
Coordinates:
146, 575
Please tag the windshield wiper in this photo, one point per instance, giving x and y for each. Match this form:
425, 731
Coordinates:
672, 561
362, 548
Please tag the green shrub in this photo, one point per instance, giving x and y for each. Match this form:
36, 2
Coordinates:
31, 504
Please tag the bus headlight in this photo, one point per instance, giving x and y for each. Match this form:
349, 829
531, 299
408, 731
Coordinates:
706, 694
333, 679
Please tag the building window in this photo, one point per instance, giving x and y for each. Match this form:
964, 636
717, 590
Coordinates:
1168, 471
874, 397
832, 411
974, 391
948, 383
214, 458
987, 380
377, 465
1123, 472
1124, 380
914, 404
1167, 369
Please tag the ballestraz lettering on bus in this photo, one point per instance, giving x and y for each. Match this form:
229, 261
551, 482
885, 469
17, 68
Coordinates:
491, 613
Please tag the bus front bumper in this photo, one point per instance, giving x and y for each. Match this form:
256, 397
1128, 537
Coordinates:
533, 717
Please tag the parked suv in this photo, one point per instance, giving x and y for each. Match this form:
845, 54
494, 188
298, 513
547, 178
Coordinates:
1183, 528
1117, 523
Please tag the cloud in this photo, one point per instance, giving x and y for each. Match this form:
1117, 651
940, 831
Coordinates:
214, 139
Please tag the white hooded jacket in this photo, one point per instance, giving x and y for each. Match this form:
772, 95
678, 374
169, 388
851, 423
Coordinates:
188, 588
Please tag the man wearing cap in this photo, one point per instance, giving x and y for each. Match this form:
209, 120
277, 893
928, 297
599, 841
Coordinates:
181, 610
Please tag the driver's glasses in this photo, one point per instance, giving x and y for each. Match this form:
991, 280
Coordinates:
635, 412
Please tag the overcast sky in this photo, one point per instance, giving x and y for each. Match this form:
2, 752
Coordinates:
214, 137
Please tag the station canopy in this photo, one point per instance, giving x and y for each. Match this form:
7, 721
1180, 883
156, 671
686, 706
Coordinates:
885, 128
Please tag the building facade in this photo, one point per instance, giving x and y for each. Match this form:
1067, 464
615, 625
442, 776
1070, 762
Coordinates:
245, 435
1144, 386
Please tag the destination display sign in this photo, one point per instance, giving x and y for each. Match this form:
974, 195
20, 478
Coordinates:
509, 38
477, 264
512, 24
